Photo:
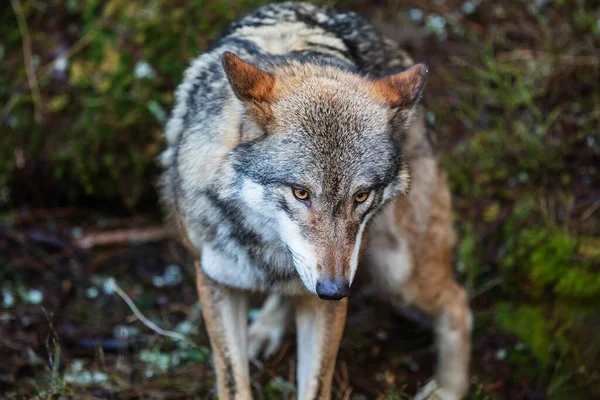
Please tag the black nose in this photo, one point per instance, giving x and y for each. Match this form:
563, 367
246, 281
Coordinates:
332, 289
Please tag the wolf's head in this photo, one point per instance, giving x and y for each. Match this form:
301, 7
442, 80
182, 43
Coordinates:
319, 155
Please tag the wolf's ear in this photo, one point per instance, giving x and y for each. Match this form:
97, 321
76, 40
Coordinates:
248, 82
403, 89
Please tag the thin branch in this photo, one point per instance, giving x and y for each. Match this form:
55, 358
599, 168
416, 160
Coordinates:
151, 325
489, 285
590, 211
28, 59
14, 99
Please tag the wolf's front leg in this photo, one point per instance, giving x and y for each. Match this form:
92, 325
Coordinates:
320, 324
267, 331
225, 312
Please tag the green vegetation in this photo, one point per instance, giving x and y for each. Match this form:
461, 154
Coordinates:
525, 179
98, 121
513, 100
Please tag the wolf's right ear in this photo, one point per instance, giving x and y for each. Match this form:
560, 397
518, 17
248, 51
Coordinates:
404, 89
250, 84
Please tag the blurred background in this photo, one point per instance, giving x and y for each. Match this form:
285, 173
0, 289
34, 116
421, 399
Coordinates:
86, 87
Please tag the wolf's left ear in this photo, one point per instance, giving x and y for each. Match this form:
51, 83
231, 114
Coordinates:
249, 83
404, 89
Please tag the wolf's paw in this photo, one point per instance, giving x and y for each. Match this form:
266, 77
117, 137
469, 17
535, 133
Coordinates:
264, 338
432, 391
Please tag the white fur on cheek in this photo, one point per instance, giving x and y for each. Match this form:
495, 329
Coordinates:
388, 193
354, 260
252, 193
303, 251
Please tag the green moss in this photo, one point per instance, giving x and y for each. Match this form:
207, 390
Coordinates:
549, 260
533, 327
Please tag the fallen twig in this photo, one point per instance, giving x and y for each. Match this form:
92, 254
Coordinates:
143, 319
492, 387
44, 214
136, 235
347, 393
591, 210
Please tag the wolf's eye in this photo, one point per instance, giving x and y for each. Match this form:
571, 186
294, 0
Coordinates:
300, 194
361, 197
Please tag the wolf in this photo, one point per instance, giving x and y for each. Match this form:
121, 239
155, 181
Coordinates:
297, 160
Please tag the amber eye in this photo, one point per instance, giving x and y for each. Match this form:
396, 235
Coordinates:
361, 197
300, 194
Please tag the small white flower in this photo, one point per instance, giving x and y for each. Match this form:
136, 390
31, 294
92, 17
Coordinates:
99, 377
77, 232
172, 275
143, 70
185, 327
33, 296
8, 299
501, 354
436, 24
92, 292
469, 7
61, 64
382, 335
123, 331
77, 366
415, 15
108, 287
430, 116
158, 281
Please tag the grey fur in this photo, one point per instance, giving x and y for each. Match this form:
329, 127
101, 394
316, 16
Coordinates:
335, 142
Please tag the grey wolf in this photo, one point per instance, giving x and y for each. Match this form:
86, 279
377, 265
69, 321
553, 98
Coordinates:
297, 156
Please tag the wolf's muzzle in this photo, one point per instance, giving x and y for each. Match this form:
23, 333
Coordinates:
332, 289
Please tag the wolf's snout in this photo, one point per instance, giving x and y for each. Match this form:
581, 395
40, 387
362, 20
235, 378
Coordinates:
328, 289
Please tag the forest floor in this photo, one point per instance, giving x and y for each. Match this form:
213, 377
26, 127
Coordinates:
65, 330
